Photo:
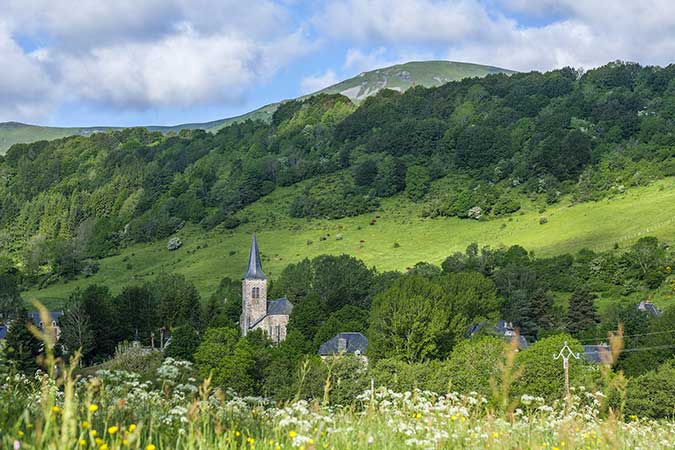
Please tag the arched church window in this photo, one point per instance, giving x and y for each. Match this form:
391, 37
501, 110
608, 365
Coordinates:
256, 292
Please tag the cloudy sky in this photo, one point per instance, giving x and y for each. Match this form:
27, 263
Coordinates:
131, 62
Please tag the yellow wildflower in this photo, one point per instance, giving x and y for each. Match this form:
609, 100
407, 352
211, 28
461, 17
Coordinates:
94, 432
112, 430
83, 442
103, 446
250, 440
311, 441
93, 408
150, 447
20, 433
85, 424
495, 434
98, 441
125, 442
132, 428
56, 409
292, 434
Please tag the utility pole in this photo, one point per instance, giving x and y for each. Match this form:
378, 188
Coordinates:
565, 354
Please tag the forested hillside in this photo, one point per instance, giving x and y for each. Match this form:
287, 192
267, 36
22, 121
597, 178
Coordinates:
493, 144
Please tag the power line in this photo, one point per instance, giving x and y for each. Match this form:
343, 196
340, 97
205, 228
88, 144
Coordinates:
634, 349
628, 335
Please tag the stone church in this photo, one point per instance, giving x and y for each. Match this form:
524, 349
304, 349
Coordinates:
257, 312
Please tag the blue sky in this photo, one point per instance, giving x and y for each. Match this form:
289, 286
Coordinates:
162, 62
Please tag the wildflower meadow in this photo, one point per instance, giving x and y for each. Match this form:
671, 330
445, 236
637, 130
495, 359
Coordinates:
116, 409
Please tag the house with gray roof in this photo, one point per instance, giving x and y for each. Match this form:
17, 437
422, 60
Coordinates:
649, 308
52, 316
501, 329
342, 343
596, 354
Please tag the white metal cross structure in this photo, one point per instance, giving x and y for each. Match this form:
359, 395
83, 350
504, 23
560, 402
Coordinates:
565, 353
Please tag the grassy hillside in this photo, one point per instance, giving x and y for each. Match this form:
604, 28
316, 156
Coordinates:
403, 76
19, 133
207, 257
399, 77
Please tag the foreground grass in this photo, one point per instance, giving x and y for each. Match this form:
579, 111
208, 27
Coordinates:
117, 410
207, 257
170, 409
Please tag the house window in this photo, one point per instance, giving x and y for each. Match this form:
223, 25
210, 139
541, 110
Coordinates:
255, 293
278, 333
342, 345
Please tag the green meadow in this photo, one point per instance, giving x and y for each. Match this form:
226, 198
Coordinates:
397, 238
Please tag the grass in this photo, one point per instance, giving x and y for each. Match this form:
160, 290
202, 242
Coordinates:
119, 409
206, 258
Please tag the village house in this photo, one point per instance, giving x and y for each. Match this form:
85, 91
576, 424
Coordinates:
345, 343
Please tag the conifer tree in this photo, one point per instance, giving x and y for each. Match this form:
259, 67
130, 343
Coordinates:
21, 347
582, 314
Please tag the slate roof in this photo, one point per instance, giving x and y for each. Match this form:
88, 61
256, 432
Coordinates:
593, 353
254, 271
53, 315
356, 342
650, 308
280, 306
502, 328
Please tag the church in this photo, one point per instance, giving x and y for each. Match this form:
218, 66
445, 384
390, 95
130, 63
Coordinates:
258, 313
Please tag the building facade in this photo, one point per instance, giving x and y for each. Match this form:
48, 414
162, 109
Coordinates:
257, 312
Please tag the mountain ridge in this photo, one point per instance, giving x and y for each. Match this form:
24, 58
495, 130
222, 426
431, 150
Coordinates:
399, 77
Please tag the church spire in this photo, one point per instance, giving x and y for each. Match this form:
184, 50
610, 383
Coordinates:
254, 271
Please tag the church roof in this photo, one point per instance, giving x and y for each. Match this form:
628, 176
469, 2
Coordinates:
254, 271
278, 307
354, 342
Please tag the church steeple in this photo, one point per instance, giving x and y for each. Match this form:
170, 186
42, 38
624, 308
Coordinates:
254, 271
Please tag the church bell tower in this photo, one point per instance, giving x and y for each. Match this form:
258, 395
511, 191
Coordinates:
254, 290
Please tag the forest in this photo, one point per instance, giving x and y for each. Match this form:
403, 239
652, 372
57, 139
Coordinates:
499, 141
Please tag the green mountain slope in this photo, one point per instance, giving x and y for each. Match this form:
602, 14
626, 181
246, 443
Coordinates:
554, 162
19, 133
399, 77
207, 257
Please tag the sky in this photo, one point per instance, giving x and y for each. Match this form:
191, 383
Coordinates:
164, 62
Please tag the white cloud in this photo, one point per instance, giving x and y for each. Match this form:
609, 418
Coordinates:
186, 68
81, 24
26, 90
567, 32
313, 83
133, 55
403, 20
